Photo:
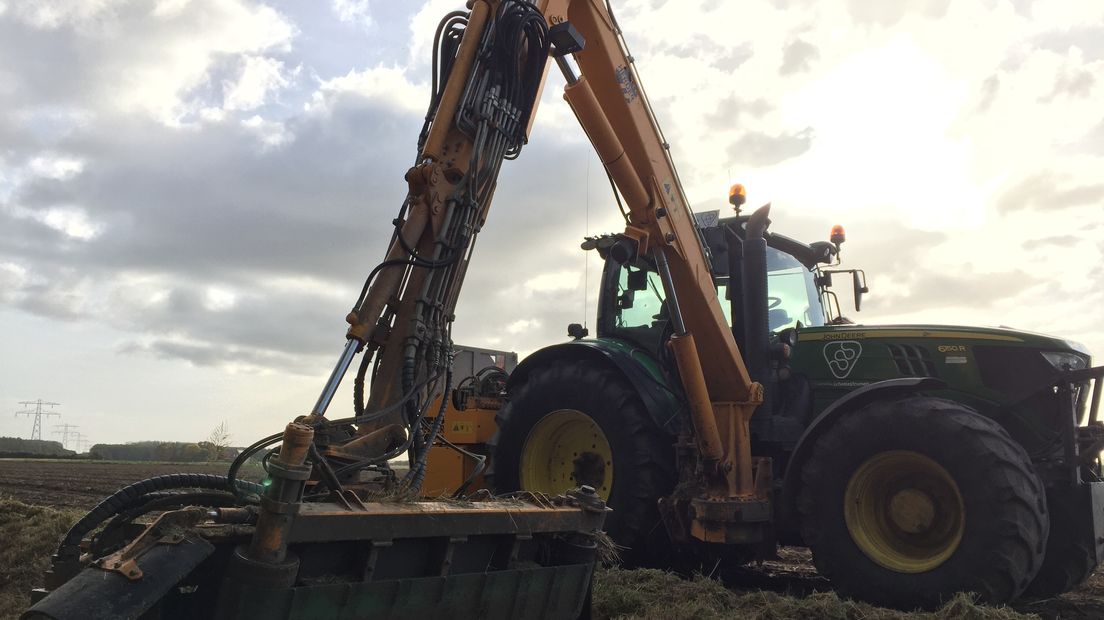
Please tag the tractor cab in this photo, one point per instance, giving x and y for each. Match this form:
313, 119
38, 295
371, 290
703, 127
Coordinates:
799, 289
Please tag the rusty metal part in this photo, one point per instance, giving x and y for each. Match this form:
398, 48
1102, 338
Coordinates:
371, 444
233, 515
322, 522
170, 528
736, 519
282, 498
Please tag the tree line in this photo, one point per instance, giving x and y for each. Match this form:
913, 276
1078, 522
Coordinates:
161, 451
17, 447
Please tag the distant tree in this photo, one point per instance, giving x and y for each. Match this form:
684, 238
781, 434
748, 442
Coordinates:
219, 440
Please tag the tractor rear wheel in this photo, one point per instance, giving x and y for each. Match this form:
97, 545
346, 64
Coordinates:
907, 502
575, 423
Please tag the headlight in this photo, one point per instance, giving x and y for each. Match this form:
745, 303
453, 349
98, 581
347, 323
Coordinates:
1065, 360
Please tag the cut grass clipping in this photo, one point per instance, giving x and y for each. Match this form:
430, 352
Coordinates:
649, 593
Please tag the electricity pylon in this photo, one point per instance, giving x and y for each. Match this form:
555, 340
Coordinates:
65, 432
36, 432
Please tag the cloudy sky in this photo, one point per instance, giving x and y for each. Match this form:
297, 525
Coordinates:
192, 190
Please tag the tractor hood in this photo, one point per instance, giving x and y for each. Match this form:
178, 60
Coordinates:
992, 335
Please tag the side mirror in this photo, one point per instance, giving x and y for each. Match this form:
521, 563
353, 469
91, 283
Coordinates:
859, 284
625, 301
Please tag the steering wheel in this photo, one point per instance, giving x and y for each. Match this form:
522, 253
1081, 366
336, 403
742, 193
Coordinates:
773, 302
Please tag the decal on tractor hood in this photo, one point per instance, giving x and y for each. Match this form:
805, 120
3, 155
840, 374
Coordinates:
842, 355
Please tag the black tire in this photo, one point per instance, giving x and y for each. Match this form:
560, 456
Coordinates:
1070, 558
1000, 511
643, 455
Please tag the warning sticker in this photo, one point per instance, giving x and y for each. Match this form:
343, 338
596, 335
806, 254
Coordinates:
462, 428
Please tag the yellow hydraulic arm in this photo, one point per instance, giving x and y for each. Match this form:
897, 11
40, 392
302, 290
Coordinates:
614, 111
491, 68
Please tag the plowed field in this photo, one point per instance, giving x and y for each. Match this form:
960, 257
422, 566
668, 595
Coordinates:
81, 484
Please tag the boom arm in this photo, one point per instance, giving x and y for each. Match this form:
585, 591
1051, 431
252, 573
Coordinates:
614, 111
492, 66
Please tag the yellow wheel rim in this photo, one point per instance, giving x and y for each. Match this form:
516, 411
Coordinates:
565, 449
904, 511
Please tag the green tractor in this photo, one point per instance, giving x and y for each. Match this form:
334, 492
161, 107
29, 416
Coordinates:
915, 461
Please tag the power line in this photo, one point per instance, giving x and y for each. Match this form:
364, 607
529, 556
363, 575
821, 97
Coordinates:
36, 432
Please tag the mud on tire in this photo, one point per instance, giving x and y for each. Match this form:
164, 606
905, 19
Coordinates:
1003, 525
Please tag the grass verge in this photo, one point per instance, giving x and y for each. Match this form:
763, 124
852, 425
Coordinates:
30, 534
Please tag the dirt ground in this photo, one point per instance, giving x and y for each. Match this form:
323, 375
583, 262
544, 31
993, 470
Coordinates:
81, 484
74, 486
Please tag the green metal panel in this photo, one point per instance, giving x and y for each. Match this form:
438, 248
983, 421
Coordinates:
541, 593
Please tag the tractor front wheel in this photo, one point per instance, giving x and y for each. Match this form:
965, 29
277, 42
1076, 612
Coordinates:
907, 502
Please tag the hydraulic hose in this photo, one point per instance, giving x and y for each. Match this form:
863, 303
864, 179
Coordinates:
134, 494
417, 473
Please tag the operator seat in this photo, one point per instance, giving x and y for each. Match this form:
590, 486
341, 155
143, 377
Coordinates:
777, 318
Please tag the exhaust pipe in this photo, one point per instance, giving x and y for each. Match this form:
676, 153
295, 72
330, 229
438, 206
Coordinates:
756, 341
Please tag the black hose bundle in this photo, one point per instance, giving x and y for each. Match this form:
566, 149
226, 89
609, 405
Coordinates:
416, 474
135, 494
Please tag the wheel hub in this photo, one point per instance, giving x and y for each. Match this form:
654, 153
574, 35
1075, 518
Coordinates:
565, 449
912, 511
589, 469
904, 511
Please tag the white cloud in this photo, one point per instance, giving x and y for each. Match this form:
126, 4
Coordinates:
271, 133
12, 278
155, 77
521, 326
54, 167
259, 77
71, 221
424, 24
51, 14
167, 9
552, 282
219, 299
353, 11
389, 84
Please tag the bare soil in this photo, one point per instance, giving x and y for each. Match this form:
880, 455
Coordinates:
82, 484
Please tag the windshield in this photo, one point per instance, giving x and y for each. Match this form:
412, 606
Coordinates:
791, 294
641, 308
639, 313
